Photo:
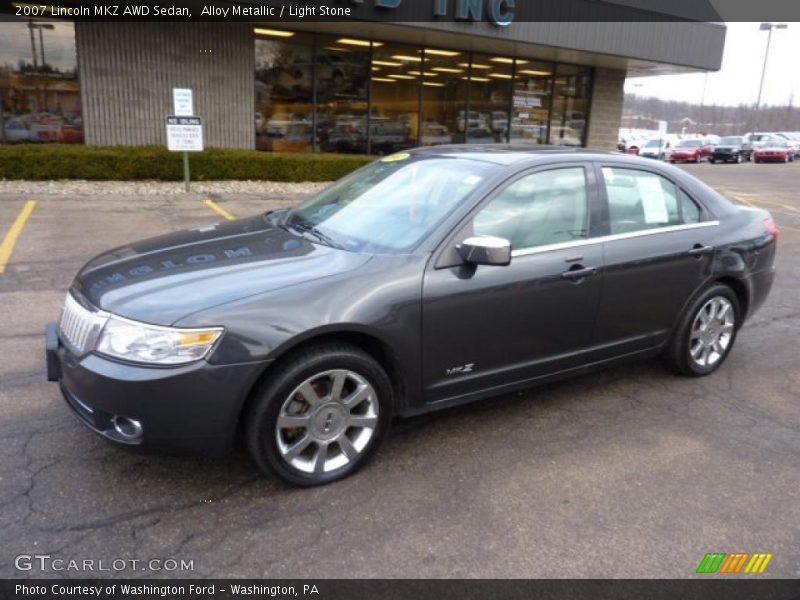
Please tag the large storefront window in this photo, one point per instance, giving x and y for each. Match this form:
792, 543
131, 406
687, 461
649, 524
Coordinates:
327, 93
444, 95
396, 87
342, 72
533, 82
39, 91
570, 105
489, 99
284, 91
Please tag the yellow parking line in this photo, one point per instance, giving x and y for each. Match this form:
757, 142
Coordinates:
7, 247
740, 199
218, 209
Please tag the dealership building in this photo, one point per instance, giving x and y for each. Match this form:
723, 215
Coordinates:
365, 86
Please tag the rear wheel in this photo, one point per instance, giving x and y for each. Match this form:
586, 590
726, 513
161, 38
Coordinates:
321, 416
706, 332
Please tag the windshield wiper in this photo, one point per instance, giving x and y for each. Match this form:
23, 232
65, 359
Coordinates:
305, 226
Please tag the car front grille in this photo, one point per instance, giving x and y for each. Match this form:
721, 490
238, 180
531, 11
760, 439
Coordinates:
79, 326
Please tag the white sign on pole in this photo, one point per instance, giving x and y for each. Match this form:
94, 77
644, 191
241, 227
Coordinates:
184, 134
662, 127
183, 102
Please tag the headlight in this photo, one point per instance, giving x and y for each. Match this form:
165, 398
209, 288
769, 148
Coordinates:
139, 342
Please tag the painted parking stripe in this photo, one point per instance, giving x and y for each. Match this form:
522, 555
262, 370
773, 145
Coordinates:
7, 247
218, 209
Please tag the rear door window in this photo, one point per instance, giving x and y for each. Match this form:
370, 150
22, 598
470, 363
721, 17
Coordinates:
640, 200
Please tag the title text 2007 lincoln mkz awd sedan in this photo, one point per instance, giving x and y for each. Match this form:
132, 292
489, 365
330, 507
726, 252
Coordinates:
423, 280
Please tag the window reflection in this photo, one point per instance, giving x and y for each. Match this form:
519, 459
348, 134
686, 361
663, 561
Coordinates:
444, 95
342, 71
570, 105
395, 98
355, 95
489, 98
531, 102
284, 92
39, 88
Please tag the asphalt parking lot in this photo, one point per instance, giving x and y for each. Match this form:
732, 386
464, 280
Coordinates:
633, 472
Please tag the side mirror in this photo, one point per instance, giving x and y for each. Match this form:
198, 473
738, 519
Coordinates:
485, 250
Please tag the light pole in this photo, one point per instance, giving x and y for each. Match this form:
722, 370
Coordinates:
39, 26
768, 27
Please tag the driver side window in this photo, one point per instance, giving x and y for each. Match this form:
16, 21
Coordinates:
543, 208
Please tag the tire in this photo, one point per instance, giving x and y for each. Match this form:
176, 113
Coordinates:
695, 352
712, 161
672, 162
299, 392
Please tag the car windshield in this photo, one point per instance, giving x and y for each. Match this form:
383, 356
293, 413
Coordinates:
690, 144
731, 141
390, 205
653, 144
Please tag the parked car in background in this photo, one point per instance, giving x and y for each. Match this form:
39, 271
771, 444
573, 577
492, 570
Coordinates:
302, 330
15, 131
759, 139
732, 148
774, 151
655, 148
691, 150
792, 140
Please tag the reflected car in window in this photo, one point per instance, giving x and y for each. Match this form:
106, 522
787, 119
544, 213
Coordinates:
427, 279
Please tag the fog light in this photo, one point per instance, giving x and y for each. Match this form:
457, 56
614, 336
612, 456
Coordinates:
129, 429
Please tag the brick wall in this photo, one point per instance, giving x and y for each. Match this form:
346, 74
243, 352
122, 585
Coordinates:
605, 113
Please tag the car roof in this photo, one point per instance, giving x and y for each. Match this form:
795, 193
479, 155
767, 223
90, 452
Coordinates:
507, 154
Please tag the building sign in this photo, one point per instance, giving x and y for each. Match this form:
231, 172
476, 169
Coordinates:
499, 12
182, 101
184, 134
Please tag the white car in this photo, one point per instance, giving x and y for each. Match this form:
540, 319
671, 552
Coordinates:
16, 131
658, 148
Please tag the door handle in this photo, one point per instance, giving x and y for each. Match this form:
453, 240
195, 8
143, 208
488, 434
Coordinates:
700, 250
579, 273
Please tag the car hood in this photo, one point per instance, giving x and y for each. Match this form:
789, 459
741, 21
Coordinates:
163, 279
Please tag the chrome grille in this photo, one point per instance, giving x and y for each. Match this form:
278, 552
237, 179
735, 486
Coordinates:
79, 326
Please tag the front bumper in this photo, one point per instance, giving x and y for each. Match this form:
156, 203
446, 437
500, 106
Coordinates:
728, 155
188, 409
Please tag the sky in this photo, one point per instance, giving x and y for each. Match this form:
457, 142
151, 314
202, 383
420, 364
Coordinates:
738, 79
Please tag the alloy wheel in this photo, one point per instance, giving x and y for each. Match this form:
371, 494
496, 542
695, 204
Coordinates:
327, 421
712, 331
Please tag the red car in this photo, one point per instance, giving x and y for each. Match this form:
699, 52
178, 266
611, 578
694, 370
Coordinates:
773, 151
691, 151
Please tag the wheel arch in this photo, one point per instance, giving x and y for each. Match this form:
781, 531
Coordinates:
364, 339
742, 294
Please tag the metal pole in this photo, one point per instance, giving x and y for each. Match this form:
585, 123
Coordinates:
41, 46
31, 27
761, 85
186, 171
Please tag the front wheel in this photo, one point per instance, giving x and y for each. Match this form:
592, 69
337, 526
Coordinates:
321, 416
705, 333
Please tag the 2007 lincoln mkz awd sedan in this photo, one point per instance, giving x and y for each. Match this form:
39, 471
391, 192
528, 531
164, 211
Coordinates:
421, 281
